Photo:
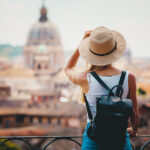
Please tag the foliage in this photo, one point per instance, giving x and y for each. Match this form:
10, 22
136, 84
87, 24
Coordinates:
9, 51
140, 91
8, 146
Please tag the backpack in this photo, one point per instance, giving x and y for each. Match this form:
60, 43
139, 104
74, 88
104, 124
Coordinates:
109, 125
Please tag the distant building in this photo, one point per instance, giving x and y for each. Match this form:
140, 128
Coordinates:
48, 117
127, 55
43, 51
4, 91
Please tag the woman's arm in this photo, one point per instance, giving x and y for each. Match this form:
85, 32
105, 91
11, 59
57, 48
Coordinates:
71, 73
132, 95
75, 76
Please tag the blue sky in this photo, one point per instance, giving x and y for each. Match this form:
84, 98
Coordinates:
73, 17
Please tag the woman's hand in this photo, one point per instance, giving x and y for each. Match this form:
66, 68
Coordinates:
87, 34
132, 132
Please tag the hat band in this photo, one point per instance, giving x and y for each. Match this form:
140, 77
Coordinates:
115, 47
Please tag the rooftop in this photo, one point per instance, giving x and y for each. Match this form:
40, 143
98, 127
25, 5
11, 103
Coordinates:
53, 108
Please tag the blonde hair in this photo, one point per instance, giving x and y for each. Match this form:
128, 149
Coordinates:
90, 68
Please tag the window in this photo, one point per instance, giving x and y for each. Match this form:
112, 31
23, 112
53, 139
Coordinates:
40, 119
19, 118
49, 120
44, 98
39, 66
51, 97
58, 121
31, 119
7, 124
1, 120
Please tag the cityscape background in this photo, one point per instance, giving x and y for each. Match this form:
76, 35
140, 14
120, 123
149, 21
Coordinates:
36, 40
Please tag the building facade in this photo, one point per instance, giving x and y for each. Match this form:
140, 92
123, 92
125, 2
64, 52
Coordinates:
43, 51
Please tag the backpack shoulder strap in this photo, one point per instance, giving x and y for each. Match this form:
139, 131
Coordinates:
100, 81
88, 108
123, 74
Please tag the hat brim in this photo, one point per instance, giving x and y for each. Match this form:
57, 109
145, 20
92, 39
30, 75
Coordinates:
103, 60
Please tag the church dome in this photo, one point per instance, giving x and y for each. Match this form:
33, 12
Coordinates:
44, 32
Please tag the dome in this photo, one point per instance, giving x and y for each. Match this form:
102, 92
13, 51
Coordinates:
44, 32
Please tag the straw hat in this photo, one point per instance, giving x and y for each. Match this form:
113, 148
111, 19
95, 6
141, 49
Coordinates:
102, 47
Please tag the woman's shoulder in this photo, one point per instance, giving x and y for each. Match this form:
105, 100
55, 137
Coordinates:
131, 80
131, 75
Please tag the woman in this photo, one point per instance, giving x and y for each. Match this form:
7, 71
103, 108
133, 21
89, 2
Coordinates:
100, 48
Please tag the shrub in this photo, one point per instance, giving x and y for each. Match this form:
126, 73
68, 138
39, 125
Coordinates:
8, 146
140, 91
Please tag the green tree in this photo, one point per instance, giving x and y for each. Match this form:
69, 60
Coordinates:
8, 146
140, 91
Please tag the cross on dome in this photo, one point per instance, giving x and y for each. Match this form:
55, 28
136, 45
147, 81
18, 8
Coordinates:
43, 16
43, 2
